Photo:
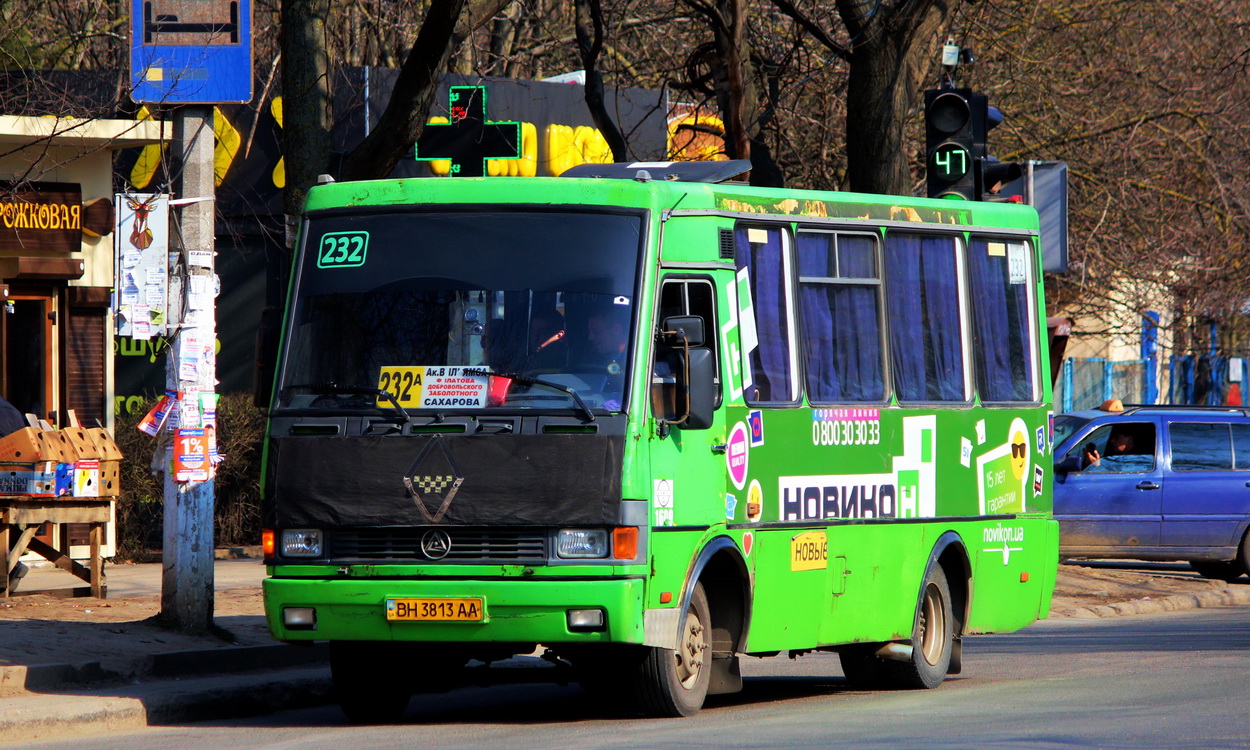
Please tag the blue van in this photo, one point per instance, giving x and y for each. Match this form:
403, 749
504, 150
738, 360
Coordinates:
1155, 483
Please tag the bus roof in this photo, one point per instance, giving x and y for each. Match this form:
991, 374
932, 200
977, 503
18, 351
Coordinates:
681, 197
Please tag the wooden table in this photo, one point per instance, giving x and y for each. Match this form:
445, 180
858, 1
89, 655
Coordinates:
21, 516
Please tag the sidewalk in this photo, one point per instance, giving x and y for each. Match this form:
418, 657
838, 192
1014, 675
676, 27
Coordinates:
74, 665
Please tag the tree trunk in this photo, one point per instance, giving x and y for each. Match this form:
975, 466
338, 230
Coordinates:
897, 46
306, 101
589, 23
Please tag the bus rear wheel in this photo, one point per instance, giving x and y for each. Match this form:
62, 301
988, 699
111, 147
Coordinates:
933, 637
364, 686
674, 682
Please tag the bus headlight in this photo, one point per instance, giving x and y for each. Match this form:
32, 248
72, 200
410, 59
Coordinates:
582, 543
301, 543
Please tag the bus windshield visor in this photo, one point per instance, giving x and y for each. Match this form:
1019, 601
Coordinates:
505, 310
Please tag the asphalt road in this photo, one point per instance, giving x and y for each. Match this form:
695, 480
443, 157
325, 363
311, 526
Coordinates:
1173, 680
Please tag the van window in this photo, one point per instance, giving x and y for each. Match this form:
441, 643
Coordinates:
1118, 448
1198, 446
1241, 446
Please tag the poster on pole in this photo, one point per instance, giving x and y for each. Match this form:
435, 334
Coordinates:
141, 265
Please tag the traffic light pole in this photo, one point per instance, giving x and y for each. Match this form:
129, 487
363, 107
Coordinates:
190, 370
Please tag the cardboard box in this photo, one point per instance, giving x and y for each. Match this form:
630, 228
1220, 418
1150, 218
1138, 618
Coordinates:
87, 478
81, 442
106, 448
57, 447
110, 478
36, 479
64, 480
30, 445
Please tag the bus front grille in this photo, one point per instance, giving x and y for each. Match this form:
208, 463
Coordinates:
443, 544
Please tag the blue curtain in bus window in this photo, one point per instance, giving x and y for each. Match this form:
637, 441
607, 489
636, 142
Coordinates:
770, 361
922, 293
841, 330
998, 283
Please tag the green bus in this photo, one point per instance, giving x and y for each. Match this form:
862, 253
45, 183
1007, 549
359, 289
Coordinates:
652, 420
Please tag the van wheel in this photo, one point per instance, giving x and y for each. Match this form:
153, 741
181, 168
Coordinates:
1220, 570
1243, 553
932, 638
674, 682
363, 686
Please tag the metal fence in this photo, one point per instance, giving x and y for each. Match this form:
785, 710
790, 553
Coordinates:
1085, 383
1208, 380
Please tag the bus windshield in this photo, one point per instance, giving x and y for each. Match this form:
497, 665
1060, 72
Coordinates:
437, 309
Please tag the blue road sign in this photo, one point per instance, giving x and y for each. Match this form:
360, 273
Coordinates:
191, 51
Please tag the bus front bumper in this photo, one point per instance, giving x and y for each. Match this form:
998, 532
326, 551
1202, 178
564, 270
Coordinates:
531, 610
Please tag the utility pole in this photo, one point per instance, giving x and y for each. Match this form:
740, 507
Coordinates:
193, 55
190, 373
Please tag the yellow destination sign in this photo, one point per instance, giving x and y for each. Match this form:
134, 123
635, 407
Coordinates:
809, 551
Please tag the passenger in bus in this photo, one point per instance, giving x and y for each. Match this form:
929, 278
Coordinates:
548, 351
607, 337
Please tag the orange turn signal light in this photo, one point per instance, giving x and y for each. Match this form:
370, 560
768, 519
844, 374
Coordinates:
268, 543
625, 542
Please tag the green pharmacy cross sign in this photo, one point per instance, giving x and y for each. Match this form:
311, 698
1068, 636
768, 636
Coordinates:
469, 139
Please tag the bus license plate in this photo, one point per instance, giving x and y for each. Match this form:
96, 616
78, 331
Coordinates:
436, 610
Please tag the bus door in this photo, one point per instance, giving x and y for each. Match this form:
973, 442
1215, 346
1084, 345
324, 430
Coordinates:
687, 473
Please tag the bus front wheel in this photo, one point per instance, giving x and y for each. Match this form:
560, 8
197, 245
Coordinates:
363, 683
674, 682
933, 637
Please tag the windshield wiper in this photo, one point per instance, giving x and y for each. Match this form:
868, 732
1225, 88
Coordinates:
526, 380
364, 390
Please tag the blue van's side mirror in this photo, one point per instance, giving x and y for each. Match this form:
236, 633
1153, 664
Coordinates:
1068, 464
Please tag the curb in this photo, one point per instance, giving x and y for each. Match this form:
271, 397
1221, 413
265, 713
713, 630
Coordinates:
163, 702
16, 681
1174, 603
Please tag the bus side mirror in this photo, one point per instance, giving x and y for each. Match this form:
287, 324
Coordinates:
683, 386
679, 328
702, 389
268, 334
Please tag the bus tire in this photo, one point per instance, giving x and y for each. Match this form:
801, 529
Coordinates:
362, 685
933, 637
674, 682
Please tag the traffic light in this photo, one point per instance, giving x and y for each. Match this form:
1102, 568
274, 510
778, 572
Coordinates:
991, 173
954, 136
958, 163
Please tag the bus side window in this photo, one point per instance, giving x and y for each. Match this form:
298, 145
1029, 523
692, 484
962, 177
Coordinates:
691, 296
764, 254
924, 296
840, 314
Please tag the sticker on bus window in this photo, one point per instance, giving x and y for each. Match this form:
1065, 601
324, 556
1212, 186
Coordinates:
342, 249
1017, 259
429, 387
1004, 473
